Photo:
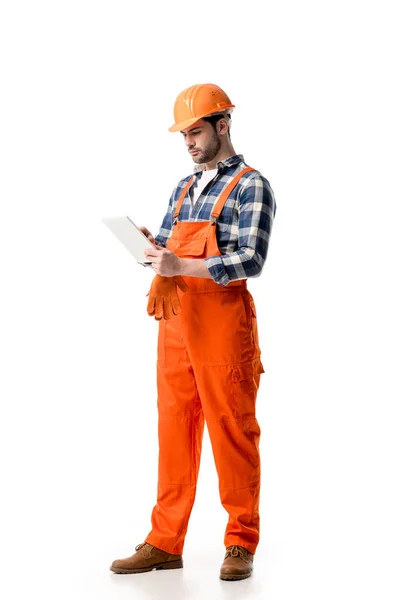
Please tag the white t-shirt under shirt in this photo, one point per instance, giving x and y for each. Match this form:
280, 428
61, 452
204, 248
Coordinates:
199, 185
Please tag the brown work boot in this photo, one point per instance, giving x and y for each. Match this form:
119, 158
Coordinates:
147, 558
238, 563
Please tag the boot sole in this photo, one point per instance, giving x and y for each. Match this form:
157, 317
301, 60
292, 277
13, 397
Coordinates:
173, 564
234, 577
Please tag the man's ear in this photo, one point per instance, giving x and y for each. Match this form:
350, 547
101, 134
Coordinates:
223, 126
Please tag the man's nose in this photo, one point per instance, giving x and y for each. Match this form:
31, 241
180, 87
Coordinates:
189, 141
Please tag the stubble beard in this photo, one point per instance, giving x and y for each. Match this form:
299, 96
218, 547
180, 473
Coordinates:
210, 152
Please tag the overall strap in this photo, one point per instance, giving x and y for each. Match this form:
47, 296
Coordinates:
226, 191
182, 197
221, 200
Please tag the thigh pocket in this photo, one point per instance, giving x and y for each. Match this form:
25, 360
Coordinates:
246, 379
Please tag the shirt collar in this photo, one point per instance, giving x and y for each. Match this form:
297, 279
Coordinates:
231, 161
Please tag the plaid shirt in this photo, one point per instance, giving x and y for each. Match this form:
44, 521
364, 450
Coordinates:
243, 227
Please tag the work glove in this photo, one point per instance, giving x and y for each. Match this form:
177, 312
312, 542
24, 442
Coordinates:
164, 301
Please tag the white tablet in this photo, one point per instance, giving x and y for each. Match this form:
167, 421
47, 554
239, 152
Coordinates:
131, 237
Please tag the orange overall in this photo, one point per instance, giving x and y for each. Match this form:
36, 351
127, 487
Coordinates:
208, 367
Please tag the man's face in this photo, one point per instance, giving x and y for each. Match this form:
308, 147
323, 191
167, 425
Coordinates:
202, 141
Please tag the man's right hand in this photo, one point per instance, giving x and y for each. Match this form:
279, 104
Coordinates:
147, 234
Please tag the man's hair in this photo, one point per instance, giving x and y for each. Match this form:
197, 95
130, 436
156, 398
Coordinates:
213, 119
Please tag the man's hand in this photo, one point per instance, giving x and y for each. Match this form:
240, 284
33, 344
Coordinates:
147, 234
164, 262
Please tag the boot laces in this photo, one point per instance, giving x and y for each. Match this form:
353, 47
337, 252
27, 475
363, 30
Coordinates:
237, 551
139, 546
145, 546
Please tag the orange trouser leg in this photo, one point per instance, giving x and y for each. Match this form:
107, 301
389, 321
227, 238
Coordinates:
220, 329
180, 432
229, 409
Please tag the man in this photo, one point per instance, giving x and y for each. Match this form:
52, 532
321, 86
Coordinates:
214, 236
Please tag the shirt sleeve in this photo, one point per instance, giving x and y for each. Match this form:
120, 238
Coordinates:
257, 209
166, 225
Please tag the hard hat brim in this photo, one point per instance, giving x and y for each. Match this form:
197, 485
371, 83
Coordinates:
185, 124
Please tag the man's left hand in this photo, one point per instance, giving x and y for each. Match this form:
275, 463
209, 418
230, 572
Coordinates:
164, 262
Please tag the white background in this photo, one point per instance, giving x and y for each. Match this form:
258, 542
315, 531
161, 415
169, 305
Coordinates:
87, 93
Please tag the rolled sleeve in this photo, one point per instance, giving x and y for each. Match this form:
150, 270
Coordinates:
257, 209
216, 267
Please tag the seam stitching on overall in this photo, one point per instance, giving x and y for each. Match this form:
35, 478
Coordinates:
238, 420
230, 364
175, 417
246, 487
186, 517
211, 291
173, 483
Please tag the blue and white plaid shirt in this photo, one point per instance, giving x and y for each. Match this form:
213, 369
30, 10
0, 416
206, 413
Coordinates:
244, 225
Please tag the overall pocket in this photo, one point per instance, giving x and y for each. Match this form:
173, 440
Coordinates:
187, 248
246, 380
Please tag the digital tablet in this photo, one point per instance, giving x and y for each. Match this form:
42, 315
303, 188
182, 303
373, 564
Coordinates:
131, 237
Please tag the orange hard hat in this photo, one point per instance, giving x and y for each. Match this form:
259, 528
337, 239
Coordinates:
199, 101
